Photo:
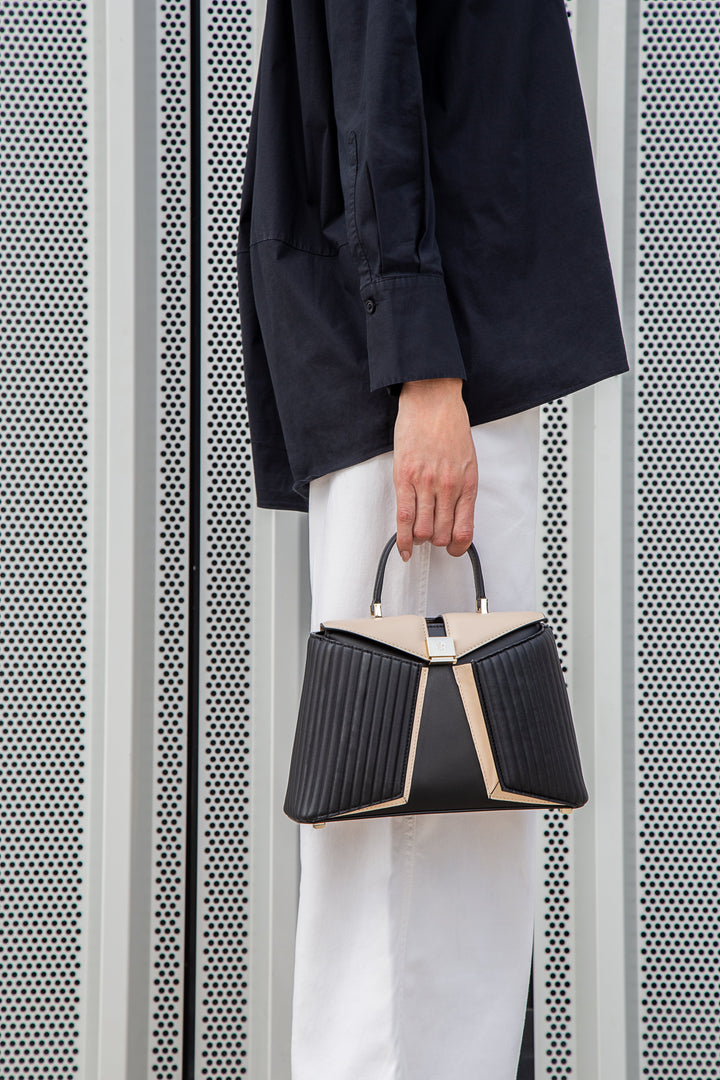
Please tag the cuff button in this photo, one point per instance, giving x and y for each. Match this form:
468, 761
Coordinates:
370, 304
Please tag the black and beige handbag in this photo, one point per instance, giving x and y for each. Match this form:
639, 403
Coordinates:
404, 714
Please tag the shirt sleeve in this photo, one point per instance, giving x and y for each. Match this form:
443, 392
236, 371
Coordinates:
387, 190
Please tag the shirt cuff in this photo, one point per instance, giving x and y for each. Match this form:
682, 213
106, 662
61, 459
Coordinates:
410, 331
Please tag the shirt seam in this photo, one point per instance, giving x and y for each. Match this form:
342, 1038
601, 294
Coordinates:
378, 280
404, 277
297, 247
352, 142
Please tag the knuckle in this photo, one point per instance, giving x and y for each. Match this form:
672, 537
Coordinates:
408, 468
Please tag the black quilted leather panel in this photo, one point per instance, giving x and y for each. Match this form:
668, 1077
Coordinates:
340, 723
529, 721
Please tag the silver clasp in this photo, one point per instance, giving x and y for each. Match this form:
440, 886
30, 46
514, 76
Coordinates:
440, 650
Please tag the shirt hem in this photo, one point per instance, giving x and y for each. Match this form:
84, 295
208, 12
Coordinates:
300, 487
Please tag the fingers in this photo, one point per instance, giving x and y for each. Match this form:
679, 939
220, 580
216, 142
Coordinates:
423, 528
405, 497
445, 503
434, 467
464, 522
435, 514
442, 512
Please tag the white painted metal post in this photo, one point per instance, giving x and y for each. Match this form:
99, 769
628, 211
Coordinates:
281, 621
111, 797
119, 797
597, 554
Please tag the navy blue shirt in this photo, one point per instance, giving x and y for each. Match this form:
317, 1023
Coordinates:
419, 201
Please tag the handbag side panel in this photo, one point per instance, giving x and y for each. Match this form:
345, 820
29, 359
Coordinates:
354, 728
529, 720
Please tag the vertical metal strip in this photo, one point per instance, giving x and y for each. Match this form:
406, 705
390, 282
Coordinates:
121, 787
554, 960
124, 365
195, 97
175, 638
281, 622
600, 834
222, 986
629, 570
677, 520
610, 540
554, 954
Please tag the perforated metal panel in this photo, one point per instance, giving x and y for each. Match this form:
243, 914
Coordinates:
173, 635
677, 523
553, 964
554, 943
222, 984
44, 403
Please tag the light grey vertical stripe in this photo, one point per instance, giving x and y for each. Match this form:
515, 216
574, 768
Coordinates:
169, 39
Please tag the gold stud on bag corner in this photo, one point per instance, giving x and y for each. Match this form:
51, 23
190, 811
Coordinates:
412, 714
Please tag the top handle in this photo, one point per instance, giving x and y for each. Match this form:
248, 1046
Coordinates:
481, 603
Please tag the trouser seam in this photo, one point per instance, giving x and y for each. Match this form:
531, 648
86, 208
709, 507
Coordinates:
424, 575
410, 825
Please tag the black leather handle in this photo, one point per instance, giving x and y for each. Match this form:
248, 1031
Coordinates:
480, 598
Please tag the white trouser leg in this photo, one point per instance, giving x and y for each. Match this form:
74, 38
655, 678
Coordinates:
414, 932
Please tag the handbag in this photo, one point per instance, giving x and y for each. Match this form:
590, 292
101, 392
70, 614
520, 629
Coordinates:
406, 714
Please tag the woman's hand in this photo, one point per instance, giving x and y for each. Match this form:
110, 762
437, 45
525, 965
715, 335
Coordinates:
434, 467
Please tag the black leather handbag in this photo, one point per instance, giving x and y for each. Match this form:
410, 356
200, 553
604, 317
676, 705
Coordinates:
413, 715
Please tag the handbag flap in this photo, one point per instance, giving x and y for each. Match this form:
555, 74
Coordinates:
468, 629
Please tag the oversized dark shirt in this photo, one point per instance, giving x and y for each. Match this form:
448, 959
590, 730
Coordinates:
419, 201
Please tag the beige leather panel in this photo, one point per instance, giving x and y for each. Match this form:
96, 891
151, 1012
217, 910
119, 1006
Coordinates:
411, 754
528, 800
473, 710
469, 629
406, 632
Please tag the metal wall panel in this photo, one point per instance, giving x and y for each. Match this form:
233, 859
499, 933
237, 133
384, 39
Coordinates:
554, 952
222, 988
677, 434
128, 498
174, 638
45, 526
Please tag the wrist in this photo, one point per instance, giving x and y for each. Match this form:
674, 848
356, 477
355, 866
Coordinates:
447, 388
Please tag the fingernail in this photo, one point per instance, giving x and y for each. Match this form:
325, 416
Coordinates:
404, 555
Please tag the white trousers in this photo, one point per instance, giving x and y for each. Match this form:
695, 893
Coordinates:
414, 933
